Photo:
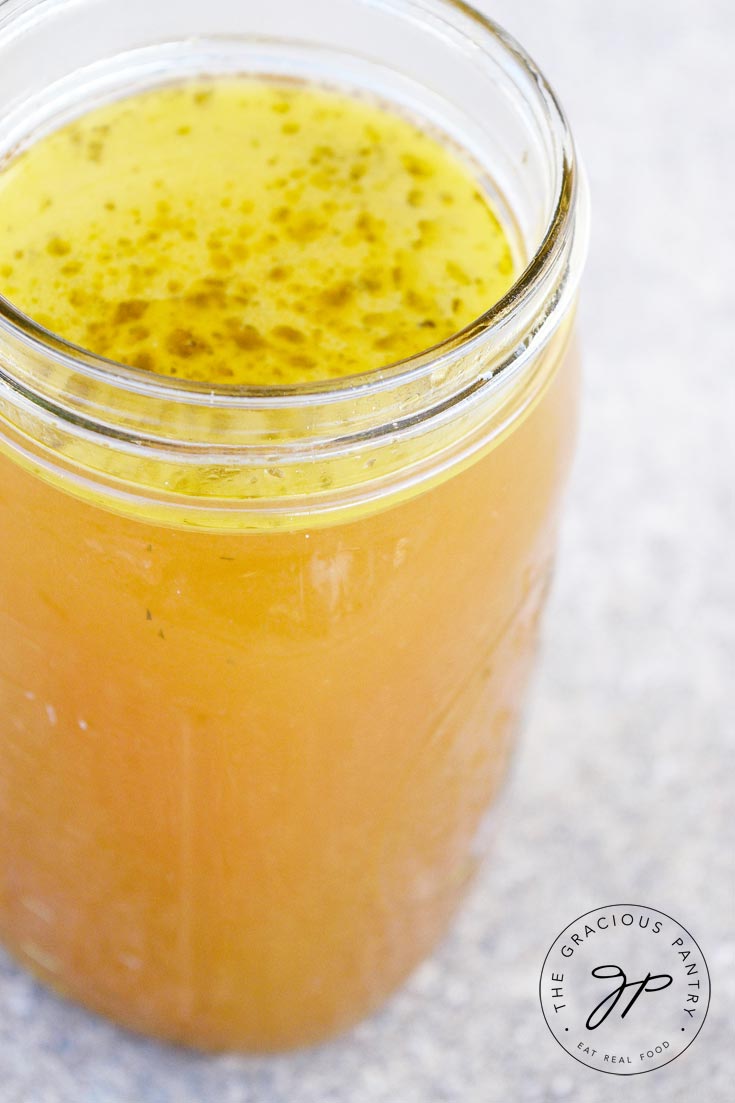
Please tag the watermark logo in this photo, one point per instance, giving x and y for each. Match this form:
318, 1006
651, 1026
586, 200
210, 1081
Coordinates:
625, 989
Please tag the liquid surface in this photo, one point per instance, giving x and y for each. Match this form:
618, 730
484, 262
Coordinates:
247, 232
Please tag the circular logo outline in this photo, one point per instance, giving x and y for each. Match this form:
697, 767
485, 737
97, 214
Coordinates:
625, 908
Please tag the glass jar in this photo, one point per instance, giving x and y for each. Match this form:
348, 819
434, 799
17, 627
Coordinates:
262, 651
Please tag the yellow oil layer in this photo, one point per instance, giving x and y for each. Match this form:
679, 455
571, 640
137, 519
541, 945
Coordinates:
248, 232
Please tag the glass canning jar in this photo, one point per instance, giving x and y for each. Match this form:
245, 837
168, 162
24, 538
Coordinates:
262, 651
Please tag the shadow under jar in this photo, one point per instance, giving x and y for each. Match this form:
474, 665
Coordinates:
262, 650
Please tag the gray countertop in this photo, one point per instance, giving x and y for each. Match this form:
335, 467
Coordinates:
622, 786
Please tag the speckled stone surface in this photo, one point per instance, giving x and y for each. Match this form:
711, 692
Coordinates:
623, 787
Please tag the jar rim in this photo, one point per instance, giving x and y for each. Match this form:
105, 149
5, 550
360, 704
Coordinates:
477, 334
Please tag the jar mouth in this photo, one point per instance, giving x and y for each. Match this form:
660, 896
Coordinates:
508, 315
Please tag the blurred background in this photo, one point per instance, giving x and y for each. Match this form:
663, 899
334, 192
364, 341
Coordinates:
623, 788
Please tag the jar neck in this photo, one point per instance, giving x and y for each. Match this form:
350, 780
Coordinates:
100, 420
